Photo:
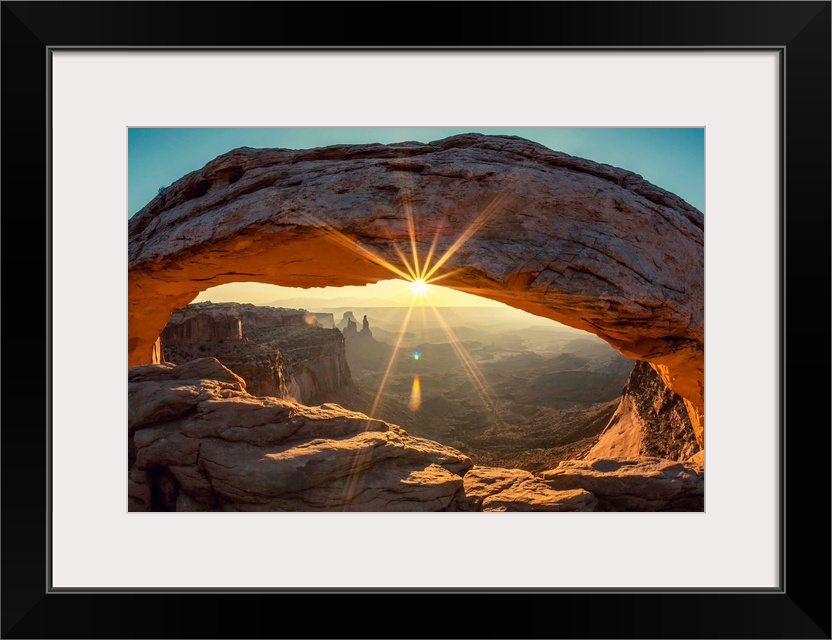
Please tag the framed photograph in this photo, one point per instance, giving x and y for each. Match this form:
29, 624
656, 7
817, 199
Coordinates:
111, 115
425, 319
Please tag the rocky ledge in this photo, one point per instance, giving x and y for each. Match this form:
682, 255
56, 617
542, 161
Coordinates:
495, 489
199, 442
634, 484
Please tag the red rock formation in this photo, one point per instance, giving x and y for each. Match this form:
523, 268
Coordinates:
589, 245
199, 442
634, 484
651, 420
495, 489
326, 320
201, 324
316, 367
278, 352
347, 320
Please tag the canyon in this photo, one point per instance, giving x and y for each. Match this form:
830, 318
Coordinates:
241, 408
201, 406
537, 396
282, 352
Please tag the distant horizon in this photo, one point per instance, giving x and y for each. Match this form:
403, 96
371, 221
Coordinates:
389, 292
464, 303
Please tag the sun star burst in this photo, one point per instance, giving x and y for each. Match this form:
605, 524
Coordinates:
419, 287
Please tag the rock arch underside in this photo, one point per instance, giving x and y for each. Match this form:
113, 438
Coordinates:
589, 245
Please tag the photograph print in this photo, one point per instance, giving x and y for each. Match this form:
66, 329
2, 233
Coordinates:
416, 319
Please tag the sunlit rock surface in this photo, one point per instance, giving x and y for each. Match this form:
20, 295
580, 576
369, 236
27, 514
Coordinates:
494, 489
651, 420
200, 442
638, 484
589, 245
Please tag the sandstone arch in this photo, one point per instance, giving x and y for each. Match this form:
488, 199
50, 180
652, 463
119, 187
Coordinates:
589, 245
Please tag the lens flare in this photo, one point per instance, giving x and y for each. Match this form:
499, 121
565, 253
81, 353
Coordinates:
415, 396
420, 273
471, 369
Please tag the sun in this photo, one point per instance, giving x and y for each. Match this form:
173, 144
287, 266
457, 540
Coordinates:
418, 287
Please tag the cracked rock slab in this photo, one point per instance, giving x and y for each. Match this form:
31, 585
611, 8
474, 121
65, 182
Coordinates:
634, 484
496, 489
201, 444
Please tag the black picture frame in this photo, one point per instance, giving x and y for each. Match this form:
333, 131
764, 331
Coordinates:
800, 608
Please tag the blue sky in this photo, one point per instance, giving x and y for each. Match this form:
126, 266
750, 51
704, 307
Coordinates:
671, 158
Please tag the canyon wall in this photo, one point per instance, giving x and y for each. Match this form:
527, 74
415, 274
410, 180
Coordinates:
278, 352
326, 320
203, 324
651, 420
316, 365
